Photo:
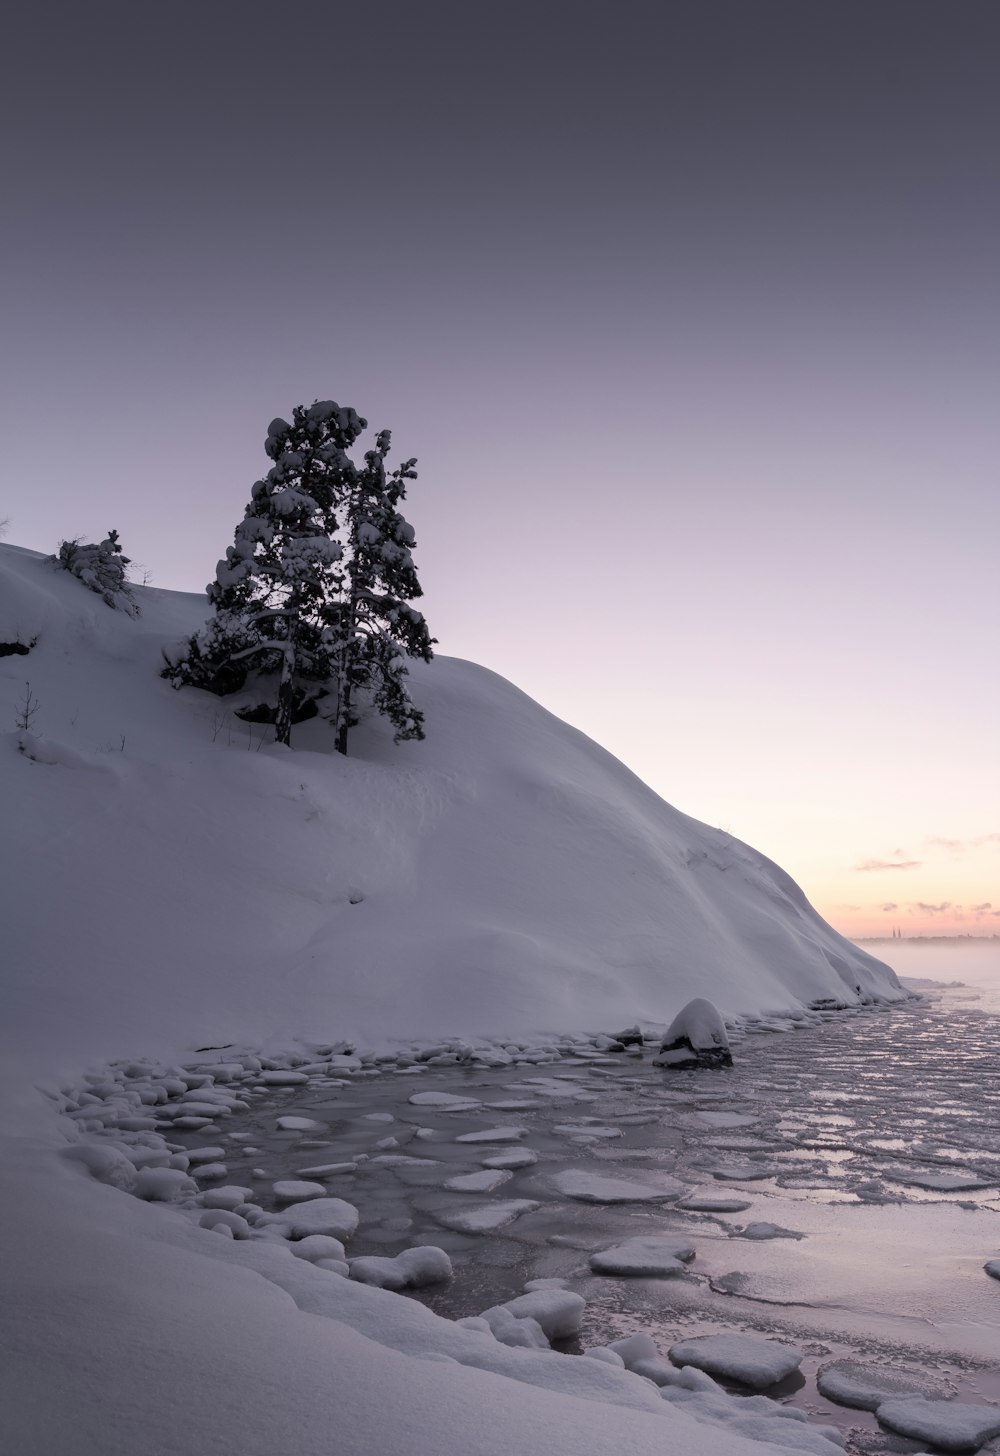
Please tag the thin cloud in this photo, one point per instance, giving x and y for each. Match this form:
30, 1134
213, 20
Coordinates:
961, 846
982, 909
935, 909
892, 906
897, 862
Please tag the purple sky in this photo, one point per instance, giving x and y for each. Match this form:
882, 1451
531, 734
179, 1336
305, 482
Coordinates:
690, 311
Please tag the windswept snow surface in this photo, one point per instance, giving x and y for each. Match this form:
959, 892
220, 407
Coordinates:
171, 884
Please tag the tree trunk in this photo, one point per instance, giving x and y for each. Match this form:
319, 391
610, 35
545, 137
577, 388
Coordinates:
348, 649
344, 696
286, 701
286, 686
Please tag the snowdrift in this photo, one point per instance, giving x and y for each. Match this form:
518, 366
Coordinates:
172, 880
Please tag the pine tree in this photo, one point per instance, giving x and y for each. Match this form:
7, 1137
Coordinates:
293, 600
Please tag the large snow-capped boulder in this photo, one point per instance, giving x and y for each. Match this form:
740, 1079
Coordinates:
695, 1038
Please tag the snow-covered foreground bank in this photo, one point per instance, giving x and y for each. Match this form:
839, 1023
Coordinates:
169, 882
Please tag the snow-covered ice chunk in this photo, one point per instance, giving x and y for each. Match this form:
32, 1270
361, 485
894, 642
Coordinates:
940, 1182
943, 1423
484, 1182
650, 1257
411, 1269
486, 1219
320, 1216
207, 1154
687, 1377
607, 1356
294, 1190
325, 1170
317, 1247
231, 1196
444, 1101
864, 1385
559, 1312
576, 1129
163, 1185
493, 1135
593, 1188
703, 1203
763, 1230
748, 1358
283, 1079
744, 1172
513, 1158
400, 1160
208, 1171
658, 1372
214, 1218
300, 1124
635, 1347
718, 1121
509, 1330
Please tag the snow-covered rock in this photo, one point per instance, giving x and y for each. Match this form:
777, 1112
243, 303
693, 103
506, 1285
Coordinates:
747, 1358
558, 1312
163, 1185
947, 1424
865, 1384
411, 1269
296, 1190
696, 1037
331, 1216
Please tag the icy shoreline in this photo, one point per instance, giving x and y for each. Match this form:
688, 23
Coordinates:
305, 1090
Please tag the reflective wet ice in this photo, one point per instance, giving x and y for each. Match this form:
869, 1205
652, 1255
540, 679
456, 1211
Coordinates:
870, 1144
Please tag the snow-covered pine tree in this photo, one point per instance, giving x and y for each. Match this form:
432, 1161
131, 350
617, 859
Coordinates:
291, 600
102, 567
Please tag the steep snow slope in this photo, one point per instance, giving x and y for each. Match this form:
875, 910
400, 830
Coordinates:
171, 882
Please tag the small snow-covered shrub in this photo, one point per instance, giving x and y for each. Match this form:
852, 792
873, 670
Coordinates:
103, 568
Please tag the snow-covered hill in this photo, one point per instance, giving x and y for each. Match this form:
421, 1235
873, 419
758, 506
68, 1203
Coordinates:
170, 882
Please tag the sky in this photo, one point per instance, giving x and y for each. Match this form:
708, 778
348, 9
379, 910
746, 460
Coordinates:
689, 311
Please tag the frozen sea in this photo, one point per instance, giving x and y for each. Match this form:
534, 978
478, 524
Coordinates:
870, 1142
